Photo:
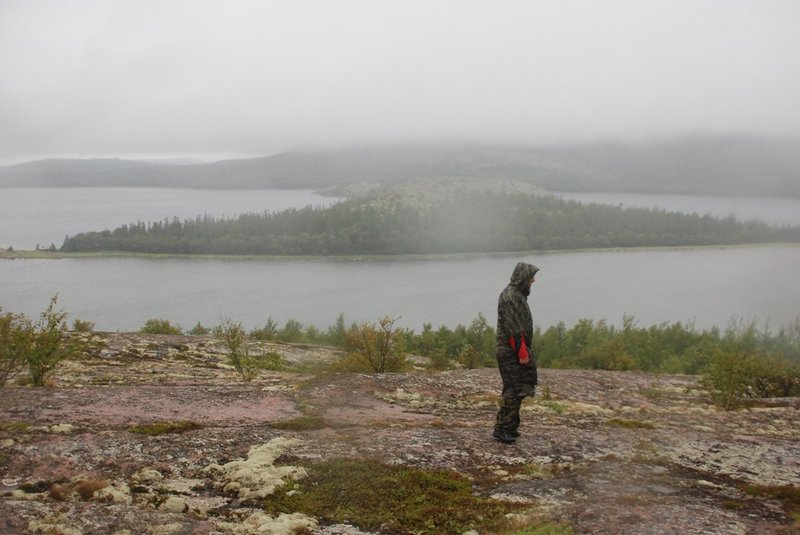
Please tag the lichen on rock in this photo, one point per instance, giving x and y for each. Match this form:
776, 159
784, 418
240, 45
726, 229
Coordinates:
260, 523
257, 476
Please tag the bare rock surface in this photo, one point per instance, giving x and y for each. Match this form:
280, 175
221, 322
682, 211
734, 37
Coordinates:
605, 452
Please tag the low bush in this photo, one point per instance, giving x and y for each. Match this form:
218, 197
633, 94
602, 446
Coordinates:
469, 357
159, 326
199, 330
268, 332
40, 346
728, 377
80, 326
376, 347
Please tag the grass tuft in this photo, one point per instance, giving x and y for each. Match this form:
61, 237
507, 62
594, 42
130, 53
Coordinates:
788, 495
15, 427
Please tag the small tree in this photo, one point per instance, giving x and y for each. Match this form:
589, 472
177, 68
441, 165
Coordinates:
728, 376
378, 347
199, 330
469, 357
292, 331
80, 326
439, 360
47, 343
337, 333
235, 339
269, 332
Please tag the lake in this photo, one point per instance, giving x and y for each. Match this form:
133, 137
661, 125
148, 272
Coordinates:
706, 286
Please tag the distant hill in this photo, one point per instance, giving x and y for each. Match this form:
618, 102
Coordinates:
735, 165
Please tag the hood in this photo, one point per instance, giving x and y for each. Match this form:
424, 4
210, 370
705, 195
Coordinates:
523, 273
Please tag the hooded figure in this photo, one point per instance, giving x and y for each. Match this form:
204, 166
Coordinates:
513, 349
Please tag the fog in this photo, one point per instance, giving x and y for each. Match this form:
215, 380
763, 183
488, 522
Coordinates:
212, 78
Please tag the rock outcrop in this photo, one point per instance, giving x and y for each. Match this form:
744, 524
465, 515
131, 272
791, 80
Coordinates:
604, 452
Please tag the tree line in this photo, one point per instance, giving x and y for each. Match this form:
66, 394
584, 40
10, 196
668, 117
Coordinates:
461, 222
735, 363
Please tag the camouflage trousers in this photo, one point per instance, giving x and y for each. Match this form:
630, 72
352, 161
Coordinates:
508, 414
519, 381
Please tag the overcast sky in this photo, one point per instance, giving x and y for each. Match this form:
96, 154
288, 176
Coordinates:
227, 77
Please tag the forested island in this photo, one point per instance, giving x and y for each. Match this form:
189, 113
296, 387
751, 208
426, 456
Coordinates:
459, 217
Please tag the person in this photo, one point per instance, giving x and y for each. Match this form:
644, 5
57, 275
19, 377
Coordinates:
515, 360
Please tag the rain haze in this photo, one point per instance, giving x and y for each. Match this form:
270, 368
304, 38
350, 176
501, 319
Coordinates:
225, 79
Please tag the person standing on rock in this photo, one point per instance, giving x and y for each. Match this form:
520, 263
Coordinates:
513, 349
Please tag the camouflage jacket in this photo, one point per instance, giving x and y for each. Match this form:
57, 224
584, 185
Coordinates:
514, 320
513, 313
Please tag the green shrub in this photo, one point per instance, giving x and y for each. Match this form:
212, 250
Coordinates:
337, 333
159, 326
291, 332
49, 346
199, 330
376, 347
268, 332
270, 360
774, 377
235, 340
80, 326
40, 346
469, 357
728, 377
439, 361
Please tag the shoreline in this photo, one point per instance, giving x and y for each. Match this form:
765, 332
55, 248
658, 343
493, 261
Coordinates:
59, 255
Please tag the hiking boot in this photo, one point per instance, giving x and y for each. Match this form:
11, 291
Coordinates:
514, 433
503, 436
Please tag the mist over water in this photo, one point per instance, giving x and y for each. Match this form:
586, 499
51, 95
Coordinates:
773, 211
706, 286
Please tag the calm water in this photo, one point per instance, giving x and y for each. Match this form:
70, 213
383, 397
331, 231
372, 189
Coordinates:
706, 286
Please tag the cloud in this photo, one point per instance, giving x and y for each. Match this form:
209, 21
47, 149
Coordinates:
124, 77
